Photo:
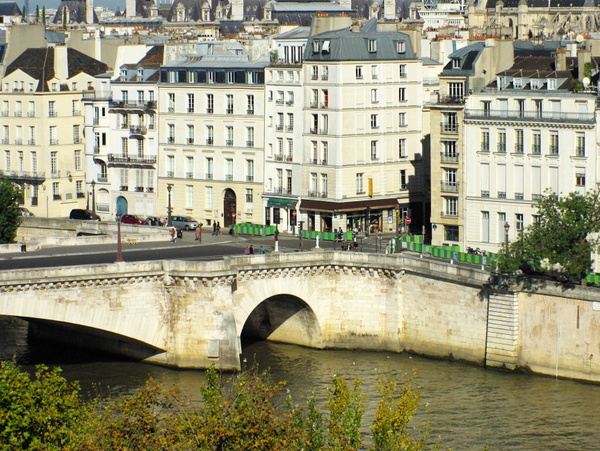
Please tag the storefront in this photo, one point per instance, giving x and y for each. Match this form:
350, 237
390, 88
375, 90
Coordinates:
282, 212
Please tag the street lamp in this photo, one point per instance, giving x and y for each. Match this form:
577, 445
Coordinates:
94, 196
506, 228
119, 247
169, 209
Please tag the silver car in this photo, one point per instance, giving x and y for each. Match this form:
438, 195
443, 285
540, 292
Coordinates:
184, 222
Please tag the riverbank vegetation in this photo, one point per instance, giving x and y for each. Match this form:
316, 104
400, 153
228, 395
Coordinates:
246, 411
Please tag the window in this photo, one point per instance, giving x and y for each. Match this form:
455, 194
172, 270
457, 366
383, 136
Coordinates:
171, 101
229, 169
249, 170
315, 73
402, 120
51, 108
55, 190
359, 73
189, 196
323, 185
502, 141
487, 108
78, 188
402, 148
78, 160
325, 97
209, 168
279, 148
7, 160
553, 150
279, 125
401, 47
18, 108
190, 106
450, 233
580, 144
374, 97
455, 63
402, 71
251, 77
229, 133
31, 112
290, 150
54, 163
210, 76
449, 122
171, 133
210, 103
290, 126
230, 77
485, 140
53, 136
250, 104
536, 143
288, 178
190, 134
249, 196
450, 153
580, 177
450, 182
451, 206
210, 134
325, 148
249, 136
374, 155
403, 180
401, 94
374, 73
372, 45
519, 223
229, 107
374, 121
140, 148
456, 91
209, 197
518, 141
76, 134
170, 165
360, 187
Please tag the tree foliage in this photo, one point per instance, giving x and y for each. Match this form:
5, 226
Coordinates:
10, 216
247, 411
563, 236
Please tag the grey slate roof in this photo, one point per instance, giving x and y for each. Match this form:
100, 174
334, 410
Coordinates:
296, 33
10, 9
348, 45
544, 3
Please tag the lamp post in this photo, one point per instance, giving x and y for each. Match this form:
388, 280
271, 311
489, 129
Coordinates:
119, 247
506, 228
94, 196
169, 210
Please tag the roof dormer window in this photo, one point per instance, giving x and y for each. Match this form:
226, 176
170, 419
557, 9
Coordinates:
123, 73
326, 47
401, 47
552, 83
315, 46
372, 45
518, 83
455, 63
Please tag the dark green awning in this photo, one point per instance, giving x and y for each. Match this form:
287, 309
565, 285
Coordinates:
282, 203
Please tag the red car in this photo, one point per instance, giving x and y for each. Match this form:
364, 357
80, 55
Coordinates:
131, 219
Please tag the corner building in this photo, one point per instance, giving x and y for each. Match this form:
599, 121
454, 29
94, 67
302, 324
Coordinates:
363, 158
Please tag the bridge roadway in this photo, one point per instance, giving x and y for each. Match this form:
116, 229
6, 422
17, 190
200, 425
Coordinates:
190, 313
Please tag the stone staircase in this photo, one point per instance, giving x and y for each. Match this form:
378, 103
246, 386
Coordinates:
502, 331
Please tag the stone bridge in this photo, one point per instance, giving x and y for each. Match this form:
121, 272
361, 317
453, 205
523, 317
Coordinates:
193, 314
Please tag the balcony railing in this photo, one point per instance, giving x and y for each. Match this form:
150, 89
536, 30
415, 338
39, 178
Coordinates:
77, 140
519, 148
553, 150
517, 115
18, 114
138, 130
450, 187
210, 141
23, 175
229, 142
149, 189
536, 149
449, 127
229, 177
54, 142
135, 104
289, 158
190, 140
19, 141
5, 141
97, 95
279, 127
278, 157
249, 178
501, 194
228, 110
519, 196
289, 128
51, 113
55, 174
501, 148
290, 103
189, 175
323, 131
485, 193
210, 110
4, 113
314, 104
313, 131
449, 158
102, 179
324, 162
31, 114
249, 143
249, 112
139, 189
209, 176
31, 142
170, 139
123, 188
536, 196
76, 113
325, 77
117, 158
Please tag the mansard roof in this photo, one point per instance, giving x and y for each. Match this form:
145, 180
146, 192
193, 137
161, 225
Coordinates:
566, 4
10, 9
349, 45
39, 64
76, 12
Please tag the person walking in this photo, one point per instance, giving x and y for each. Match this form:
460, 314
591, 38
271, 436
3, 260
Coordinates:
251, 250
199, 233
173, 235
23, 245
218, 227
214, 232
261, 251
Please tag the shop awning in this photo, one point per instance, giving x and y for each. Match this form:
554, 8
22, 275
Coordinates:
343, 207
282, 203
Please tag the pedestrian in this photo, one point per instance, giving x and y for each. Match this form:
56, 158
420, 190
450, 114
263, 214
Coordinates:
261, 251
247, 250
218, 227
199, 233
214, 232
251, 250
23, 245
173, 235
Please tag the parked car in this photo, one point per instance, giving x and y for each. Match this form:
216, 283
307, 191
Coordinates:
131, 219
85, 215
184, 222
24, 212
152, 221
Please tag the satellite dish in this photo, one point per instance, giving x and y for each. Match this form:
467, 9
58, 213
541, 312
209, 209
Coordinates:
586, 82
579, 38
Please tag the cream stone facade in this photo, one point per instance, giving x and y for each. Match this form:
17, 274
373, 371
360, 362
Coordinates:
211, 133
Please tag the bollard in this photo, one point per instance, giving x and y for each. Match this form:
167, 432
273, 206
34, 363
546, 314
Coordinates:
317, 246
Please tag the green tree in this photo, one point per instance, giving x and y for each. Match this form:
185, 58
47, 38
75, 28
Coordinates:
37, 14
43, 412
10, 216
563, 234
44, 16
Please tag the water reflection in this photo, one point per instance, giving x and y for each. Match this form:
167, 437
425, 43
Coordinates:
467, 406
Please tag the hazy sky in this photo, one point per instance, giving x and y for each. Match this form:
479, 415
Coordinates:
113, 4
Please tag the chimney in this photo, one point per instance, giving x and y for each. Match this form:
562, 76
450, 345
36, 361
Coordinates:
583, 56
89, 11
130, 10
61, 63
560, 59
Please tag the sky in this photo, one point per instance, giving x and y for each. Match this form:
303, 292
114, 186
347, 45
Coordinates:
112, 4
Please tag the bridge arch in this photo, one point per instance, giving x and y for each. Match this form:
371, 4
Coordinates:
283, 318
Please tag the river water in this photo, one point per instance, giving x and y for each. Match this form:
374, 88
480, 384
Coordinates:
467, 406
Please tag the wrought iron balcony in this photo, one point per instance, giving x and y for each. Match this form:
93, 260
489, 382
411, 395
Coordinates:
126, 159
450, 187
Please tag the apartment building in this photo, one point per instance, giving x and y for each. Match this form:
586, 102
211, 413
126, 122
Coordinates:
211, 130
363, 155
469, 69
122, 144
42, 127
530, 131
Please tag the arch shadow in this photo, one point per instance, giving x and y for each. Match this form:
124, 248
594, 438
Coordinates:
282, 318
